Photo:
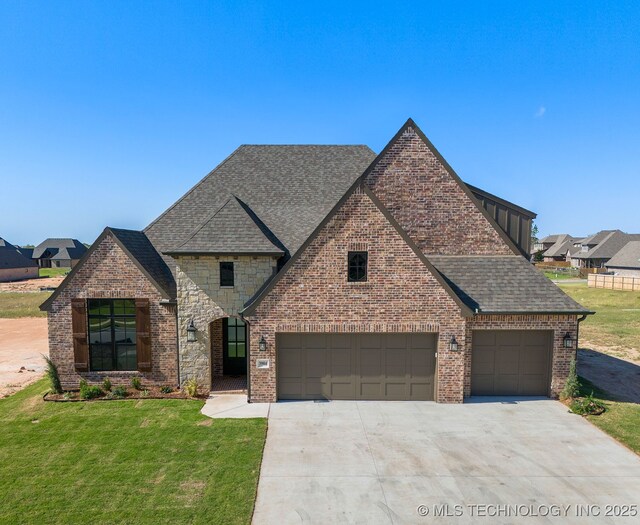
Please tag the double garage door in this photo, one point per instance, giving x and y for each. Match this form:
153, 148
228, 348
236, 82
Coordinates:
356, 366
511, 362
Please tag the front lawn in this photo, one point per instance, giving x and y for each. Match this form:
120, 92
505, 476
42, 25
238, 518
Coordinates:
621, 420
53, 272
617, 319
136, 461
16, 304
556, 276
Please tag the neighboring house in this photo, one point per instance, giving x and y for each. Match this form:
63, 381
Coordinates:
14, 266
595, 251
627, 261
557, 251
322, 272
59, 253
542, 245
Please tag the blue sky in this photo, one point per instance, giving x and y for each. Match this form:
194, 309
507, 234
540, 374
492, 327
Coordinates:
110, 111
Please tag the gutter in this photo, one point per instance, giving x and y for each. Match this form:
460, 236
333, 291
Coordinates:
580, 319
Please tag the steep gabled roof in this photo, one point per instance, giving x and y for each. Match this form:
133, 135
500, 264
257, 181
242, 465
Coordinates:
609, 243
60, 249
232, 229
627, 257
504, 285
254, 301
139, 249
560, 246
11, 257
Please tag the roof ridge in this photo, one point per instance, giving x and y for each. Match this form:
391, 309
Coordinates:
205, 222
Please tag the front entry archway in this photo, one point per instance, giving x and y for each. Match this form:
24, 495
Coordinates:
234, 346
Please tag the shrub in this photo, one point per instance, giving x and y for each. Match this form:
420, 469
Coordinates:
145, 393
106, 384
89, 392
166, 389
119, 392
191, 387
52, 374
572, 386
136, 383
588, 405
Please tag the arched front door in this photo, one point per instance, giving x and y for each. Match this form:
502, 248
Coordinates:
234, 349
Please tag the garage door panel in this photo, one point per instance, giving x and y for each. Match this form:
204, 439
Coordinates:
518, 363
356, 366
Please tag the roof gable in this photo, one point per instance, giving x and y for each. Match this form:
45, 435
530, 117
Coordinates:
139, 249
254, 302
421, 190
627, 257
12, 257
233, 228
59, 249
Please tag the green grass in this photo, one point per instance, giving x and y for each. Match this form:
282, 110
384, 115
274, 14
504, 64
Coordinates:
14, 304
142, 461
617, 319
558, 276
53, 272
621, 420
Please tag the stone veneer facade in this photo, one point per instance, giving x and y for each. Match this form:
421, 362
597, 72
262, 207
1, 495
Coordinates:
109, 273
201, 298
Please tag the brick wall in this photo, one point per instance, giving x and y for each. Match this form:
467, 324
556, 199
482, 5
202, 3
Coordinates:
560, 324
400, 296
17, 274
109, 273
429, 204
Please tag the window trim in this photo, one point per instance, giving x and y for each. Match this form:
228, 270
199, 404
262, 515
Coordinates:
111, 316
233, 274
350, 255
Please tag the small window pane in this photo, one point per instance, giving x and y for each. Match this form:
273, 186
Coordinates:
231, 349
126, 357
226, 274
94, 307
129, 307
357, 266
241, 349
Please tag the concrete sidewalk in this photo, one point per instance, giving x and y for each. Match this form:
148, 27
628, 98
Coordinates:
233, 406
378, 462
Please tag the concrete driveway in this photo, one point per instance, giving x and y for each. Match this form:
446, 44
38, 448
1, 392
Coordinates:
378, 462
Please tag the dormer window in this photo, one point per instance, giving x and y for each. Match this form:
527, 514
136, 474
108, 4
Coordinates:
226, 274
357, 266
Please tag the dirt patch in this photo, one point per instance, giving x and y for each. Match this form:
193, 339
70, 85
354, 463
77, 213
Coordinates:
22, 341
617, 376
205, 423
31, 285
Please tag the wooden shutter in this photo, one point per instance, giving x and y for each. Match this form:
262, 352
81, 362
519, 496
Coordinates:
143, 331
79, 327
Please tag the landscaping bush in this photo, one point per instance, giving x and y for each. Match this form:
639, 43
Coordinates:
588, 405
145, 393
136, 383
52, 375
191, 387
106, 384
166, 389
119, 392
89, 392
572, 386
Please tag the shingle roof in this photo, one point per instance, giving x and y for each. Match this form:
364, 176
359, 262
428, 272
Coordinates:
608, 244
60, 249
10, 257
290, 188
560, 247
597, 238
503, 284
141, 249
627, 257
231, 229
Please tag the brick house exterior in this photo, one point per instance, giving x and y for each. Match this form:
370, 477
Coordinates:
443, 262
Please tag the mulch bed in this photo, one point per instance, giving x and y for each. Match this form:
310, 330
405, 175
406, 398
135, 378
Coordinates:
148, 393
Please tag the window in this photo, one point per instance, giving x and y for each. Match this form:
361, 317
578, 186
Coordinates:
112, 334
236, 337
357, 271
226, 274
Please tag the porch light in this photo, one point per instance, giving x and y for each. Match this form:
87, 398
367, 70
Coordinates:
262, 344
191, 331
567, 340
453, 344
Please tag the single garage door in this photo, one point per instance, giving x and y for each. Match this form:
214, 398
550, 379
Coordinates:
511, 362
356, 366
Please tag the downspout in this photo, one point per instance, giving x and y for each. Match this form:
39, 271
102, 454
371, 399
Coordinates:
580, 319
178, 345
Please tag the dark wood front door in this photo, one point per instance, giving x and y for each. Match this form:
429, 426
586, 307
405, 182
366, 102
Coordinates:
234, 357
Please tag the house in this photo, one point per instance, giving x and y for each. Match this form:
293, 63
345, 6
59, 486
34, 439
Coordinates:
557, 251
13, 265
322, 272
59, 253
595, 251
627, 261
